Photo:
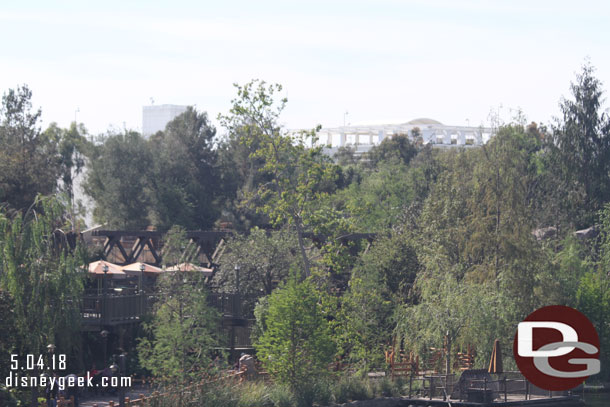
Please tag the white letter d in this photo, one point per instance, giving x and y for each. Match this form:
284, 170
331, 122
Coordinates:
526, 342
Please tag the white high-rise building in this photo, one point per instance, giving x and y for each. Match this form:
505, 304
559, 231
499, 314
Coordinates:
156, 117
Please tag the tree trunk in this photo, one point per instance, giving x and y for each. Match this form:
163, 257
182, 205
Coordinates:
299, 228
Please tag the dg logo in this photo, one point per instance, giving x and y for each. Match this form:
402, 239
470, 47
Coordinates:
556, 348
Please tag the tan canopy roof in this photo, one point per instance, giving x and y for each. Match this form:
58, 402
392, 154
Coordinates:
135, 268
191, 267
97, 269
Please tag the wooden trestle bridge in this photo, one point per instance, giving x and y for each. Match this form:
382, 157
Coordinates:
118, 310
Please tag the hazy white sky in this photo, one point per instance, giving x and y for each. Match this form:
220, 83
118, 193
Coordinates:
380, 60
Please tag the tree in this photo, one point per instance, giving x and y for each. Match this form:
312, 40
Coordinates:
117, 180
29, 161
580, 145
295, 346
44, 279
364, 324
184, 182
184, 328
73, 148
377, 202
479, 214
397, 148
264, 260
7, 327
447, 312
171, 179
241, 175
300, 176
593, 295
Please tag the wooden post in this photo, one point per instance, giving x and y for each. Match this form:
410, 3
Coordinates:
410, 383
485, 391
505, 390
431, 386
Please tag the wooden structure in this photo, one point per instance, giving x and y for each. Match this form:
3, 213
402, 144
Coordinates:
465, 360
129, 246
107, 309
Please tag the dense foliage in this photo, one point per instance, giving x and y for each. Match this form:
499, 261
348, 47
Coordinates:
296, 345
182, 333
468, 241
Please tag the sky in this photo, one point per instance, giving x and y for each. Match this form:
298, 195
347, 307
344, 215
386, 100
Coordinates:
379, 61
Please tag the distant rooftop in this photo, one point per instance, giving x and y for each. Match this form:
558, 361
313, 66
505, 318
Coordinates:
424, 121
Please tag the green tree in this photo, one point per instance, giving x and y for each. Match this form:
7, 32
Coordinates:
7, 327
300, 176
593, 299
117, 180
183, 332
593, 295
364, 325
29, 161
580, 147
241, 175
264, 260
73, 148
559, 282
447, 312
44, 280
295, 346
397, 148
479, 214
183, 178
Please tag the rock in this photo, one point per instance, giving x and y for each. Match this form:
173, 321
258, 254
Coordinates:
246, 362
545, 233
586, 234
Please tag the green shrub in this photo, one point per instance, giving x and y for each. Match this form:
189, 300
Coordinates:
352, 388
254, 394
219, 395
281, 396
314, 392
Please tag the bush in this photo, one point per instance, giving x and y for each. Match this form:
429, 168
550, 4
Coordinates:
7, 398
387, 387
352, 388
254, 394
317, 391
296, 344
281, 396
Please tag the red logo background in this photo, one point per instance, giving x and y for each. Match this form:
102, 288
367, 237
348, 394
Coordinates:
543, 336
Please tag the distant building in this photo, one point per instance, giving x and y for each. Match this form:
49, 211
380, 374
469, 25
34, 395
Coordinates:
156, 117
362, 137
